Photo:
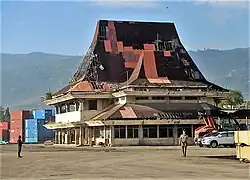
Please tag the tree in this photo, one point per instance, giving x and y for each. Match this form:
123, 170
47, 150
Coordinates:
48, 96
1, 114
7, 115
235, 99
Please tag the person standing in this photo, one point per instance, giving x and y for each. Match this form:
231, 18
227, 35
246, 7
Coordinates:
183, 143
19, 143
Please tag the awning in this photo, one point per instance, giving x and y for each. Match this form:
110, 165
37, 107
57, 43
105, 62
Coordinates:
59, 125
94, 123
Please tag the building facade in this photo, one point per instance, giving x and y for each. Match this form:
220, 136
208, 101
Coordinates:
137, 85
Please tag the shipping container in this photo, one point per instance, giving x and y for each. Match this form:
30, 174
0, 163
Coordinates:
17, 124
4, 125
42, 114
4, 135
35, 131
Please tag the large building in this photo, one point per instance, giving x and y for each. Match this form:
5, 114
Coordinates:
136, 85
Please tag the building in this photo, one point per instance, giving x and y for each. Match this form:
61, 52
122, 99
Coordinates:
136, 85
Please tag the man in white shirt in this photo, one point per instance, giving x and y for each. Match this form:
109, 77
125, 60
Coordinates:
183, 142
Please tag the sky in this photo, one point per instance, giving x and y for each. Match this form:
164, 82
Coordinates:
66, 27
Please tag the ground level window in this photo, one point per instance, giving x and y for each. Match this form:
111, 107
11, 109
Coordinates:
132, 131
120, 132
150, 131
165, 131
187, 128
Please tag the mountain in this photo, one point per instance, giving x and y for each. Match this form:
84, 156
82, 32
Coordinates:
26, 77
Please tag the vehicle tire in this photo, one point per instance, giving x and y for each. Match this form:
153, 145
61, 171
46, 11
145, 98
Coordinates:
214, 144
232, 146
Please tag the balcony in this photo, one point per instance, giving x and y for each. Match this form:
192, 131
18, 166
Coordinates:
68, 117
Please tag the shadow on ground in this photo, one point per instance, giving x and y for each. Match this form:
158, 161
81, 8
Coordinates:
222, 157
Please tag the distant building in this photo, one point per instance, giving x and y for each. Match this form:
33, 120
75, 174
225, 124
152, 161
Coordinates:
136, 85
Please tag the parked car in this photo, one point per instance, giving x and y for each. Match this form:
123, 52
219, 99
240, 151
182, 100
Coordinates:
198, 141
225, 138
4, 142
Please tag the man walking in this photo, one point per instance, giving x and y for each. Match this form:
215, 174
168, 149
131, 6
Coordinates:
183, 143
19, 143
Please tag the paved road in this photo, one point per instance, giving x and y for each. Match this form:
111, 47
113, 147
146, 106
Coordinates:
41, 162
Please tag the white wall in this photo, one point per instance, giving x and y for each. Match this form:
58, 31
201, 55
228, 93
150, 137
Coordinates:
68, 117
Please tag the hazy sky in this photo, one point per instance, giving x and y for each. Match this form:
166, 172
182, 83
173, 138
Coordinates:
67, 27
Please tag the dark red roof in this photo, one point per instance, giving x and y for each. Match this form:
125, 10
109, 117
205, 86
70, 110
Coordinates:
146, 50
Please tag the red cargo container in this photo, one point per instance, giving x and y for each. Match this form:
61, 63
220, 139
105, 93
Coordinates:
4, 125
17, 120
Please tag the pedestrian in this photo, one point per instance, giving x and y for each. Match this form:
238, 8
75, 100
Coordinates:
19, 143
183, 143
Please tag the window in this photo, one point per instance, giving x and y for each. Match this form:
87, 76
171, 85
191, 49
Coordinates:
120, 132
141, 98
150, 131
63, 109
191, 98
175, 98
103, 30
92, 104
223, 134
165, 131
72, 107
132, 131
158, 98
230, 134
187, 129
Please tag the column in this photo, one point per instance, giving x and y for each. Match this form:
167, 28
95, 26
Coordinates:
63, 137
56, 137
66, 136
90, 136
86, 135
112, 135
75, 106
175, 134
140, 134
59, 136
167, 99
80, 136
58, 109
81, 107
158, 131
75, 136
126, 131
192, 129
67, 107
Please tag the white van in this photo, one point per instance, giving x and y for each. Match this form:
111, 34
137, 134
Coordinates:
225, 138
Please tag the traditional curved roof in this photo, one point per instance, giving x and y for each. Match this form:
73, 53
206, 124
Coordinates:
129, 52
